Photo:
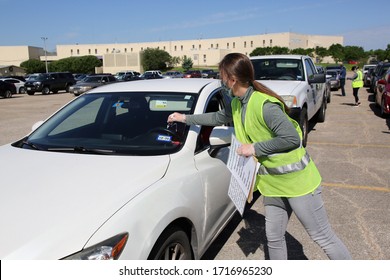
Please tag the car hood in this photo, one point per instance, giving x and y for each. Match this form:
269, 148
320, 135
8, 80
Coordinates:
284, 87
81, 84
52, 203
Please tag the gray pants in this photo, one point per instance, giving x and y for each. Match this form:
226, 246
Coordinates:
311, 212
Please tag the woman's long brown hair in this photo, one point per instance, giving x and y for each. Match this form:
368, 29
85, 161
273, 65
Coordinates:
239, 67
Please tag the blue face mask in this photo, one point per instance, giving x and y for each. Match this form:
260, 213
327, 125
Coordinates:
226, 89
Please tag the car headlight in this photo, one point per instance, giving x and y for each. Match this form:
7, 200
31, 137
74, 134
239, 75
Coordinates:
109, 249
290, 100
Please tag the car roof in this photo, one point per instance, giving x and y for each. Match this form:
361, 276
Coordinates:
290, 56
194, 85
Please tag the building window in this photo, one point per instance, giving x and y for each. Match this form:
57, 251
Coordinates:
175, 48
95, 51
217, 46
212, 46
125, 50
244, 44
193, 47
181, 47
251, 44
107, 50
270, 42
71, 52
204, 58
263, 43
227, 45
200, 46
164, 48
131, 49
234, 45
78, 51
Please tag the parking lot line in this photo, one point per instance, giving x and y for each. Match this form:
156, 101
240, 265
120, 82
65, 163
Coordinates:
355, 187
350, 145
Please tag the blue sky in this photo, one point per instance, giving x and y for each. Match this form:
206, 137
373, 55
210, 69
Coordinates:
128, 21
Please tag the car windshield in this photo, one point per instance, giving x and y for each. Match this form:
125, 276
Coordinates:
39, 77
334, 74
115, 124
278, 69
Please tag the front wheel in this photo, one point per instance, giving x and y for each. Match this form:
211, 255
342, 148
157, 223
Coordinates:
304, 124
45, 90
173, 244
7, 94
22, 90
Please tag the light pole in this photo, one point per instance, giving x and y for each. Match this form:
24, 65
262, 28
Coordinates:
44, 42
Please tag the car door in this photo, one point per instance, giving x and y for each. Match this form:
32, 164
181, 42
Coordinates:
314, 91
214, 174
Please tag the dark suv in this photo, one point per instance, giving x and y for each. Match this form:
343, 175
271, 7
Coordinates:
50, 82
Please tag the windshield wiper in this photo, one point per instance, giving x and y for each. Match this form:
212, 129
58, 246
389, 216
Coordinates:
31, 145
81, 150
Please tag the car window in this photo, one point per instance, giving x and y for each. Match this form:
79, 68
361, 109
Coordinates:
278, 69
123, 123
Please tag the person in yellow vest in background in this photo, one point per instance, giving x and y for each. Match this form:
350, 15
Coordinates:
357, 82
288, 178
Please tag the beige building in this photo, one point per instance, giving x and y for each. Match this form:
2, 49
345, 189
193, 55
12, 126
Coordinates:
14, 55
203, 52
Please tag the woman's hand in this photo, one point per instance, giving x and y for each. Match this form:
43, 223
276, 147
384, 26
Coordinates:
246, 150
176, 117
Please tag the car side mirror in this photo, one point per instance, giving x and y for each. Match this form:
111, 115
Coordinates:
221, 136
317, 79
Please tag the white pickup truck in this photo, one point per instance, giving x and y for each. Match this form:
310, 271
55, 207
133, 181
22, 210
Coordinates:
296, 80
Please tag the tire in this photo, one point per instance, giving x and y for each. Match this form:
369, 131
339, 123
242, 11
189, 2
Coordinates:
45, 90
304, 124
7, 93
321, 114
67, 88
22, 90
173, 244
383, 113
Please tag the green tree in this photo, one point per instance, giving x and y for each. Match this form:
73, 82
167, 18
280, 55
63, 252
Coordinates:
336, 51
187, 63
33, 66
321, 52
153, 59
83, 64
354, 53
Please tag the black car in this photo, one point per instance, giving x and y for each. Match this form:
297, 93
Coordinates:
49, 82
7, 89
378, 72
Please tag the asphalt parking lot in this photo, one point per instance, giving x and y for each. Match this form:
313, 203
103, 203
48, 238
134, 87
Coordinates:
351, 149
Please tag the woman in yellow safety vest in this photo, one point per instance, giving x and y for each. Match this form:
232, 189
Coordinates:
288, 179
357, 82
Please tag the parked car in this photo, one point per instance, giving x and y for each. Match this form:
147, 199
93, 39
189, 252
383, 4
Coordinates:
7, 89
382, 98
210, 73
174, 74
296, 80
378, 72
193, 74
333, 77
91, 82
367, 77
152, 74
49, 82
118, 182
79, 77
365, 71
120, 76
19, 85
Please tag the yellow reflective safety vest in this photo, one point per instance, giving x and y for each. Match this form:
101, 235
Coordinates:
358, 82
288, 174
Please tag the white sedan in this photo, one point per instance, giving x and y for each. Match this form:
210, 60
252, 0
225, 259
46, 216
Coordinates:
105, 178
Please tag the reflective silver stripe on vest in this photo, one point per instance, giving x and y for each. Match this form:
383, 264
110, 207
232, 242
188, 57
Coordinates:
293, 167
